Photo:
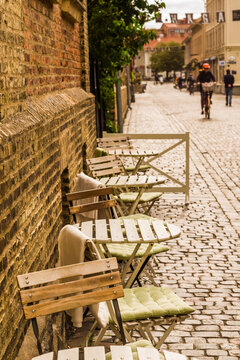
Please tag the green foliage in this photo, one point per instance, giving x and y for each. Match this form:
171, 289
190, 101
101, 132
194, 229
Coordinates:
168, 57
116, 30
116, 34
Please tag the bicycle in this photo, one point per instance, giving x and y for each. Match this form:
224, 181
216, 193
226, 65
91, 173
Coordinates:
191, 88
207, 88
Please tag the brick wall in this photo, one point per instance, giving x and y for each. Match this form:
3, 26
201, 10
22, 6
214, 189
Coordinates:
41, 152
41, 51
47, 126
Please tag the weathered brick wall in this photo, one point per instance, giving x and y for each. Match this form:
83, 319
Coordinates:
41, 51
41, 152
12, 80
47, 126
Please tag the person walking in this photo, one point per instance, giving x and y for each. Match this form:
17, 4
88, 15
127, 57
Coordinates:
228, 81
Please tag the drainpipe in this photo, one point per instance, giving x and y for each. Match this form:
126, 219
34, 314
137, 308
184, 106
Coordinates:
119, 103
128, 88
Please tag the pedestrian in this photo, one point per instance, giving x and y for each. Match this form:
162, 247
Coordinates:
180, 83
228, 81
156, 78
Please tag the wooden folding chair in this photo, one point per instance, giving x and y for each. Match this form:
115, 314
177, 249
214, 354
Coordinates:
122, 142
43, 292
109, 206
112, 166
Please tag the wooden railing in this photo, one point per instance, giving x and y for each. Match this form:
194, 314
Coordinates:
182, 186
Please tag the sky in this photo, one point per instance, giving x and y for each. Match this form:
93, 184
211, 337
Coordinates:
180, 7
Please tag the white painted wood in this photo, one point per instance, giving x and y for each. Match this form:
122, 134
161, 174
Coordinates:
151, 179
141, 179
131, 230
122, 181
173, 356
101, 230
160, 230
146, 231
145, 353
104, 180
87, 228
113, 180
132, 180
68, 354
94, 353
48, 356
116, 230
174, 230
121, 352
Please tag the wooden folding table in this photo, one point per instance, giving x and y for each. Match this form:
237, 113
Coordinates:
117, 231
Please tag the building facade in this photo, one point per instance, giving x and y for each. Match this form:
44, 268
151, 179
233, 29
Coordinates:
167, 33
222, 41
194, 53
47, 128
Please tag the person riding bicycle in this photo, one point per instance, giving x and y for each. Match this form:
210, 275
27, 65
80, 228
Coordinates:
190, 82
203, 77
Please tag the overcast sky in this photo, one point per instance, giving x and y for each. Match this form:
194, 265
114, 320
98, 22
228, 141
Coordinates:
180, 7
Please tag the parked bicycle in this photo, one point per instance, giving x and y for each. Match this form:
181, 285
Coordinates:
207, 89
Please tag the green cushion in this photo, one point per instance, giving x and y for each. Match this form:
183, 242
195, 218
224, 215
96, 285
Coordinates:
124, 251
134, 345
100, 152
141, 168
151, 301
138, 216
147, 196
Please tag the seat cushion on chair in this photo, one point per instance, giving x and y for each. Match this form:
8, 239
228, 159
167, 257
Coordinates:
134, 346
151, 301
130, 197
138, 216
100, 152
124, 251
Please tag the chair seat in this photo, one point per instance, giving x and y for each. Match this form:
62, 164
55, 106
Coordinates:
130, 197
151, 301
134, 345
124, 251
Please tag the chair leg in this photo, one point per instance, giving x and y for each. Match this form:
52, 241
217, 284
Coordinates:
139, 272
119, 320
36, 333
165, 335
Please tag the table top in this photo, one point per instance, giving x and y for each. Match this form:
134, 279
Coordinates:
129, 231
132, 152
132, 180
118, 352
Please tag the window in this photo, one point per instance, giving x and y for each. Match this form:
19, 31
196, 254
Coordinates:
181, 31
176, 31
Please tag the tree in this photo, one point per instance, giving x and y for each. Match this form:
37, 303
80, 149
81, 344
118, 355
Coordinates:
116, 34
168, 57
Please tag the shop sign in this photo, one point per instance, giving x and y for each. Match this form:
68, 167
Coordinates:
221, 63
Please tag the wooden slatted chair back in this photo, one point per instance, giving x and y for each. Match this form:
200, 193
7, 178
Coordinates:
105, 203
44, 292
119, 142
105, 166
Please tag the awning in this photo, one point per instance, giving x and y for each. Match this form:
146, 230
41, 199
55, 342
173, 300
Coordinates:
213, 58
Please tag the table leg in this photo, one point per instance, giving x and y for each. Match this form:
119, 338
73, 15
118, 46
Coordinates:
138, 267
135, 204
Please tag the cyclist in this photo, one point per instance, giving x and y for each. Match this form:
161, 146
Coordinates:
190, 83
205, 76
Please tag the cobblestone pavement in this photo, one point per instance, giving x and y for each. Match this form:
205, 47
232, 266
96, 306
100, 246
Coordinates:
202, 265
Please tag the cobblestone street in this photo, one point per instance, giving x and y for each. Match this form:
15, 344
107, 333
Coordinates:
203, 264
